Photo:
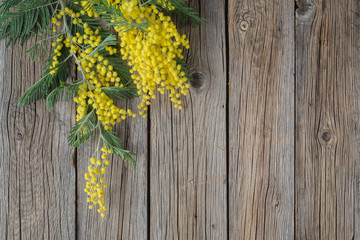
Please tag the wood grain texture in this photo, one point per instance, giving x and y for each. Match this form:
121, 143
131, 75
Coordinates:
293, 163
126, 198
188, 147
37, 175
261, 123
328, 120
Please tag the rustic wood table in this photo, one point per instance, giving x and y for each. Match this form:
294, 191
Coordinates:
266, 147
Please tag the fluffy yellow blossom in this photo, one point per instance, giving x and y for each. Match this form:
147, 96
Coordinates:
152, 53
58, 45
97, 73
150, 44
95, 182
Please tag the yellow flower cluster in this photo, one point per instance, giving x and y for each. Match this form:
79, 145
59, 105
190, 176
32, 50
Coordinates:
152, 52
107, 113
97, 73
152, 47
56, 22
87, 8
166, 4
95, 182
58, 45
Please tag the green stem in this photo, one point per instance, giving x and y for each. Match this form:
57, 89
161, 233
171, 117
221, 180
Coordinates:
67, 30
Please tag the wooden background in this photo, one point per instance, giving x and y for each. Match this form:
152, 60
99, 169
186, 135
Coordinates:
266, 147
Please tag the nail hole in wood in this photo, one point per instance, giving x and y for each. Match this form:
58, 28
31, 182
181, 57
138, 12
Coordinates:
326, 136
197, 80
244, 25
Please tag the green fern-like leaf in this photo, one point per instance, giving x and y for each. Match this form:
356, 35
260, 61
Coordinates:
114, 17
112, 142
48, 82
7, 4
37, 91
180, 8
119, 66
41, 49
38, 51
120, 92
109, 40
64, 92
83, 129
20, 19
183, 11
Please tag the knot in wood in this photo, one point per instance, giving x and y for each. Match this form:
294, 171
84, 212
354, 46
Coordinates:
197, 80
305, 11
244, 25
19, 136
326, 136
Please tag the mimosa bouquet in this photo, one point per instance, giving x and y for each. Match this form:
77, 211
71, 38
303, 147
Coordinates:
122, 49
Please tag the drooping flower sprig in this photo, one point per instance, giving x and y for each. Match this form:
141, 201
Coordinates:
144, 58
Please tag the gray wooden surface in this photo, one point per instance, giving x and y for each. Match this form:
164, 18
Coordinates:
328, 120
188, 147
261, 120
37, 167
266, 147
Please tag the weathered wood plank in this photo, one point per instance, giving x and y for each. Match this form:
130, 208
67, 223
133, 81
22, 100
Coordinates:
261, 123
328, 120
126, 197
188, 147
37, 175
